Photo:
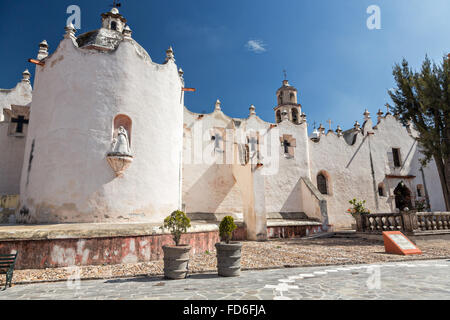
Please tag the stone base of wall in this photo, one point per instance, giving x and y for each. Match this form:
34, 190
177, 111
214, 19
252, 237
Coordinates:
41, 247
64, 245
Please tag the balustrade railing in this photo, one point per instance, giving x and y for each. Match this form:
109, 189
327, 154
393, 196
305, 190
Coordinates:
403, 221
431, 221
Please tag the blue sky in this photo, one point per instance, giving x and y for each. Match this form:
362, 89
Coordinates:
339, 66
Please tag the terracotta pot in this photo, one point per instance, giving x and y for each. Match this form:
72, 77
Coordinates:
229, 259
176, 261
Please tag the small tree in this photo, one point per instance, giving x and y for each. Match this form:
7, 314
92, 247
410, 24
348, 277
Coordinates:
177, 223
226, 228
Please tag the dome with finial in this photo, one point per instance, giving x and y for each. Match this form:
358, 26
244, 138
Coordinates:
108, 36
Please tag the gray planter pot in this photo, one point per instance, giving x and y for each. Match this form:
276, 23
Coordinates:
176, 260
229, 259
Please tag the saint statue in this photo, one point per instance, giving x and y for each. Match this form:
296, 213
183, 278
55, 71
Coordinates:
121, 144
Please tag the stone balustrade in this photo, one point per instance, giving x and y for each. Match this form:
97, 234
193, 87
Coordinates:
409, 222
430, 221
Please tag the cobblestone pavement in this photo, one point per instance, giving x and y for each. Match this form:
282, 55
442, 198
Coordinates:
428, 279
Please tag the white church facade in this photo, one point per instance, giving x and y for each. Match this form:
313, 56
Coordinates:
90, 144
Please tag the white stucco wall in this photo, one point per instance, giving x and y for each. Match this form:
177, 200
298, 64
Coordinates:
349, 170
12, 147
208, 182
210, 188
77, 95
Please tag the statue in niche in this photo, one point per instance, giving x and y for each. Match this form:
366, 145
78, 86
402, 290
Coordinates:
121, 144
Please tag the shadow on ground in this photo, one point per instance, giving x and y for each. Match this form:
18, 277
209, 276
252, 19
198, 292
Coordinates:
161, 281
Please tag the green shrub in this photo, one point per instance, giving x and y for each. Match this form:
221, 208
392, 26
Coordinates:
226, 228
358, 207
177, 223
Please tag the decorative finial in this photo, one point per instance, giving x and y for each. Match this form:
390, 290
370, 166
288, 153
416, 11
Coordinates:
339, 131
181, 73
43, 50
379, 114
26, 76
252, 110
285, 74
357, 125
70, 31
169, 54
315, 134
303, 116
321, 129
366, 115
127, 32
217, 107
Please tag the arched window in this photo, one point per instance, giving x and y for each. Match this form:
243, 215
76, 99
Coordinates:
294, 115
322, 183
292, 97
278, 116
122, 120
381, 190
113, 25
420, 191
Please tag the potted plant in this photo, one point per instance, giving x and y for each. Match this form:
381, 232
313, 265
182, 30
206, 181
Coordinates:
228, 252
357, 211
176, 258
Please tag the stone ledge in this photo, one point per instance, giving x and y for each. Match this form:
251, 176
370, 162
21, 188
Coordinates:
91, 230
285, 223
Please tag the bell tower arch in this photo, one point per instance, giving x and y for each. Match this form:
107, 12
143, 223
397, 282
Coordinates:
287, 103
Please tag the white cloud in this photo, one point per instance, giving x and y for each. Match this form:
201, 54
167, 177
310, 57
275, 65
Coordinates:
256, 46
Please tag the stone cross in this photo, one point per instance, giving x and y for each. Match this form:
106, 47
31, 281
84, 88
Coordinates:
217, 139
20, 122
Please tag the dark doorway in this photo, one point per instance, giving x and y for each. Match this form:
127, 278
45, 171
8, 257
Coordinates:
402, 196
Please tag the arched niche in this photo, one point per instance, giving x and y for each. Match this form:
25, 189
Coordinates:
381, 190
122, 120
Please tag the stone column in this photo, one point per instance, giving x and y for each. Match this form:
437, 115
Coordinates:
359, 222
409, 221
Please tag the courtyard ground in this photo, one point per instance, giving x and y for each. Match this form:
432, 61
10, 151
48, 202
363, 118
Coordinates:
272, 254
427, 279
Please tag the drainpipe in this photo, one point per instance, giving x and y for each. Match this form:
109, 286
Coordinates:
427, 198
372, 171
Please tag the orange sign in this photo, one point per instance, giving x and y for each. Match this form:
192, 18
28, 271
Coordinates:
397, 243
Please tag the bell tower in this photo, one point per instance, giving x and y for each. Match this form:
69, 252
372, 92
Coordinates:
287, 104
113, 20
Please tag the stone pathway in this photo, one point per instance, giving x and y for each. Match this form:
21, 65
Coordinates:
428, 279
